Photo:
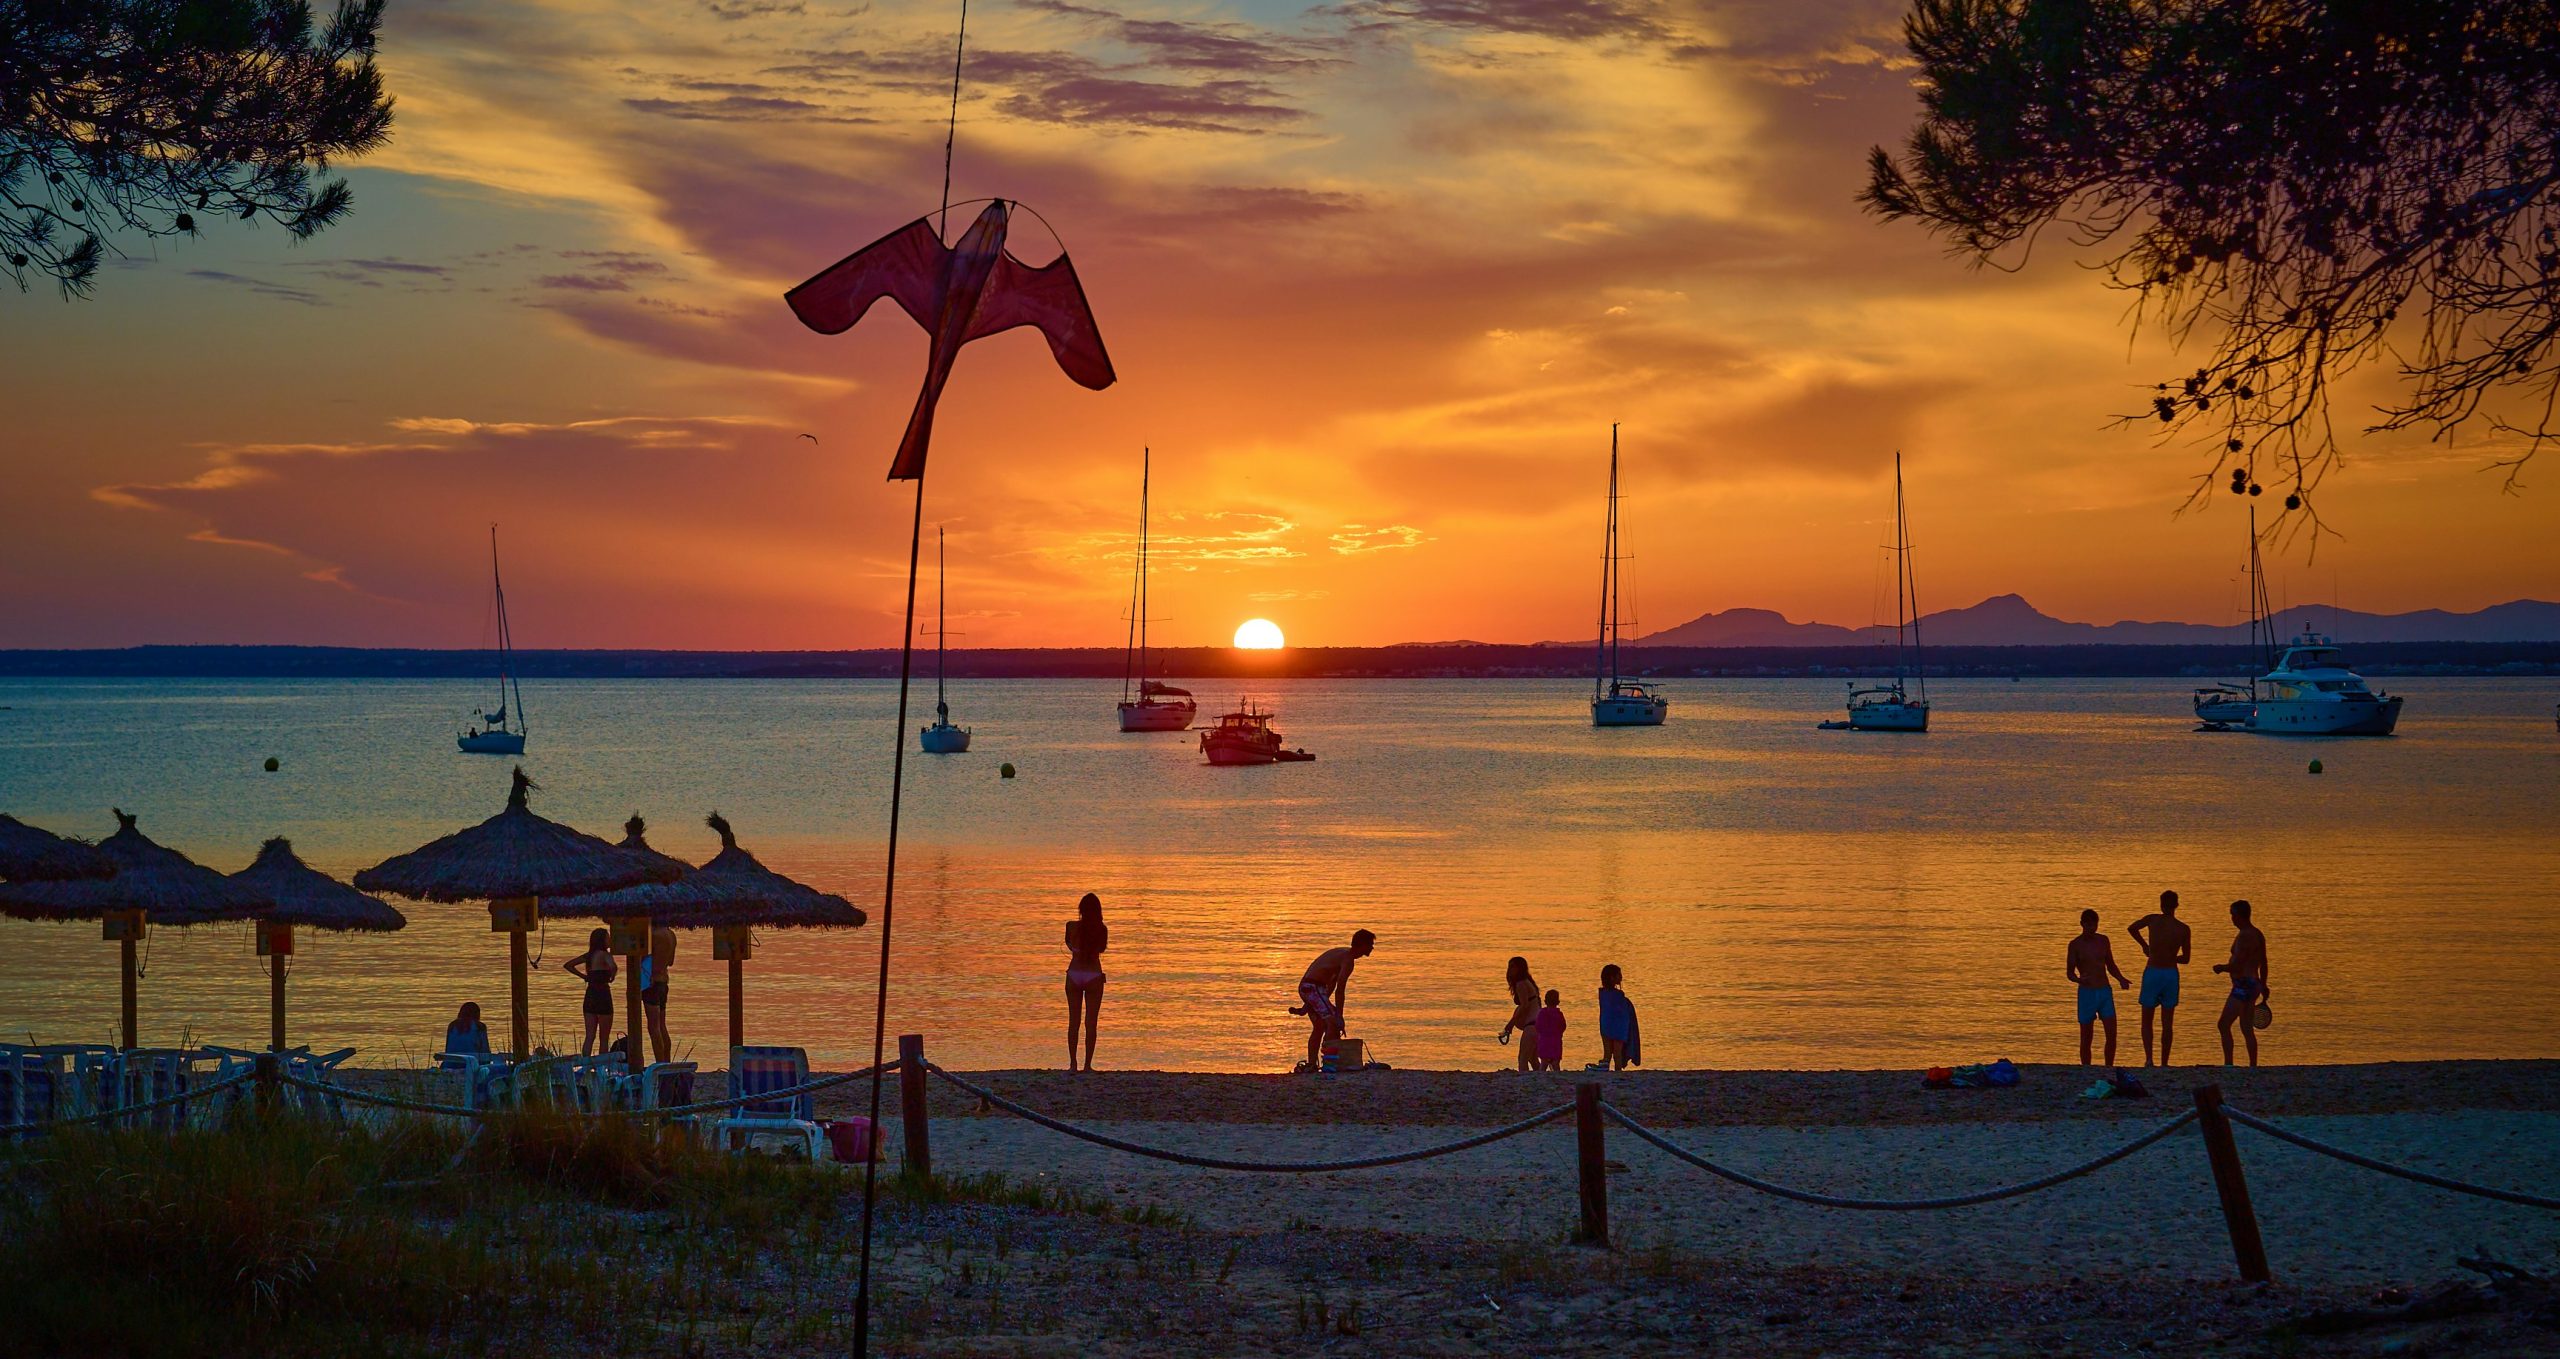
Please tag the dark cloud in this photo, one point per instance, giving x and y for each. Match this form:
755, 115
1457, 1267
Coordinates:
740, 108
1191, 46
603, 271
731, 11
1574, 20
261, 287
1211, 106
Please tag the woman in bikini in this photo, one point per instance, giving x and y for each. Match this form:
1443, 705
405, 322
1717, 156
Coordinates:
1087, 937
596, 968
1525, 999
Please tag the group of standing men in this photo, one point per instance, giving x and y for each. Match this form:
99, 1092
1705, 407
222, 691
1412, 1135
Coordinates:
2166, 945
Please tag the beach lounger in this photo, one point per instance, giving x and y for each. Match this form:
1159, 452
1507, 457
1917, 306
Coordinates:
486, 1079
756, 1070
659, 1085
28, 1081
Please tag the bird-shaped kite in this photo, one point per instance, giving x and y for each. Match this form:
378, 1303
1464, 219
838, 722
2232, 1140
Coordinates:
958, 294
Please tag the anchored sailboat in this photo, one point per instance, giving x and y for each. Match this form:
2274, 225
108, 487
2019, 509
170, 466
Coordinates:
1890, 707
1158, 706
2219, 707
1617, 701
941, 738
501, 732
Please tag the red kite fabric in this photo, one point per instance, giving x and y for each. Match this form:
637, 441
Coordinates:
958, 294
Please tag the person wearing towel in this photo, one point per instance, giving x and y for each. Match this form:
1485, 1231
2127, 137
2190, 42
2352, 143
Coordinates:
1087, 937
1620, 1045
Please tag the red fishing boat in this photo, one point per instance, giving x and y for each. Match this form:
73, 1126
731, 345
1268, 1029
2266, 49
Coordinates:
1245, 737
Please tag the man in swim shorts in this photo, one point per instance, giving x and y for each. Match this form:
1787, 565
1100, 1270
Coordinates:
1322, 991
2248, 969
2089, 962
2166, 943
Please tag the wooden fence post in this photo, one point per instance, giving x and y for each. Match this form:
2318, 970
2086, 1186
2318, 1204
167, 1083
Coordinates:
1592, 1144
266, 1066
911, 1106
2237, 1214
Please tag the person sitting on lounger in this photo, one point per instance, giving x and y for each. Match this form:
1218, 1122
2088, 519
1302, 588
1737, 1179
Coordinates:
466, 1036
1323, 991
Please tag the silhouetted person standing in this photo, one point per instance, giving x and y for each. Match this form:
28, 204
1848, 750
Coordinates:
2166, 944
1087, 937
2090, 961
2248, 969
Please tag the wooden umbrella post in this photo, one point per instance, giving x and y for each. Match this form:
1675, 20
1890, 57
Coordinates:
514, 916
126, 927
735, 943
631, 940
275, 944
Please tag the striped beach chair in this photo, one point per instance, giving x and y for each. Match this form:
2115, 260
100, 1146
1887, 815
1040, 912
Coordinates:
756, 1070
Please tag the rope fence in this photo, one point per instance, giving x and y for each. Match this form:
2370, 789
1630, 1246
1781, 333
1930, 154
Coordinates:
2011, 1191
2387, 1168
1395, 1158
1589, 1111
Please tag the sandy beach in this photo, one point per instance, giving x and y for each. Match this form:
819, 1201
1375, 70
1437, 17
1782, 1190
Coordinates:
1470, 1253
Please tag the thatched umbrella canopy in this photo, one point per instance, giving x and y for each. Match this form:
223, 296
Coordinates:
633, 912
731, 895
512, 861
33, 854
290, 893
151, 883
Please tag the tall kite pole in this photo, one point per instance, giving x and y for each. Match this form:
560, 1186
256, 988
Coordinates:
898, 778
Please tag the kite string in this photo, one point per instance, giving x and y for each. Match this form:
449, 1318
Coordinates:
951, 132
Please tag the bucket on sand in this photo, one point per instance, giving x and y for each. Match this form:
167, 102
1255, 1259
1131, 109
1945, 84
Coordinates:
851, 1141
1353, 1054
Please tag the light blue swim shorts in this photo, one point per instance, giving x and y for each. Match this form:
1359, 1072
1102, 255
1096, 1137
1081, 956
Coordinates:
2160, 986
2097, 1002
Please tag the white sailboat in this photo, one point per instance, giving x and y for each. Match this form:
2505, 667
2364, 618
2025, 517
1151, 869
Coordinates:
1893, 707
1157, 706
501, 732
1617, 701
2220, 707
942, 738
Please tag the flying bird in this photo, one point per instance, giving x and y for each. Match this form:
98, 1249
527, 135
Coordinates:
958, 294
812, 438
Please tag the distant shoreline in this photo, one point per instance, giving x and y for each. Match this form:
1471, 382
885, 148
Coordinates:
1412, 661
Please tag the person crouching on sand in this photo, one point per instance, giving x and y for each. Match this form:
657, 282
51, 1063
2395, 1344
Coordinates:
2089, 962
1550, 1025
1323, 992
1619, 1047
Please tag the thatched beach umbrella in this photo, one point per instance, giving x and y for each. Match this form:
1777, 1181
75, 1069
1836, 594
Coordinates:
151, 883
731, 895
288, 893
512, 861
32, 854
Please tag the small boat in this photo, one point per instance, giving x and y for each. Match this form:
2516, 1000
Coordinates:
1617, 701
501, 732
1891, 707
941, 738
2311, 692
1245, 737
2221, 707
1158, 706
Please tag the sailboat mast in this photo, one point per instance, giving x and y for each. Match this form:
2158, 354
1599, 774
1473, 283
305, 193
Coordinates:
1146, 475
2262, 626
510, 692
1907, 583
1601, 667
941, 589
1137, 584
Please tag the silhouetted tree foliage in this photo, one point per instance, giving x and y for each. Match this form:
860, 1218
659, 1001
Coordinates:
153, 117
2313, 185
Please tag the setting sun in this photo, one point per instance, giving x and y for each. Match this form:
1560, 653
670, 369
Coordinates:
1259, 634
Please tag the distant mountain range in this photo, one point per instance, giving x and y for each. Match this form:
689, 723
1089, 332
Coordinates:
2008, 620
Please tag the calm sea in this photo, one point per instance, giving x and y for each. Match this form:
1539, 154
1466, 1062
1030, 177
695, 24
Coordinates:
1779, 896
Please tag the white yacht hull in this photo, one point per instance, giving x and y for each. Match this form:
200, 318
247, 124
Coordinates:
491, 743
1629, 712
2325, 717
1156, 716
1885, 717
944, 739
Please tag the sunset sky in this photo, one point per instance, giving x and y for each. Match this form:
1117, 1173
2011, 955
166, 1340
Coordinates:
1377, 278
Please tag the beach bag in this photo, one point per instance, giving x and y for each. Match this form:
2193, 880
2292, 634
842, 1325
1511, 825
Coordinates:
2002, 1074
1937, 1078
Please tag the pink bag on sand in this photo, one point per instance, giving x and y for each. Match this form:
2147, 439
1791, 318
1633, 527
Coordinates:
851, 1141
